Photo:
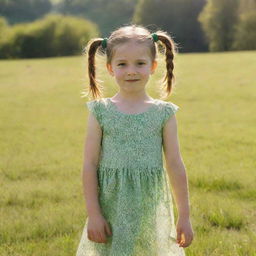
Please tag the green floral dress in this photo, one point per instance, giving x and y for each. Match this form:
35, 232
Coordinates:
134, 189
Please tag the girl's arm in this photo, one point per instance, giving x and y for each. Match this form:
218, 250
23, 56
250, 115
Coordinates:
175, 167
92, 149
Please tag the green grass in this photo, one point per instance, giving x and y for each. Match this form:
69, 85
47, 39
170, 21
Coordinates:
43, 123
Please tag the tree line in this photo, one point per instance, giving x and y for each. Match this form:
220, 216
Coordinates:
196, 25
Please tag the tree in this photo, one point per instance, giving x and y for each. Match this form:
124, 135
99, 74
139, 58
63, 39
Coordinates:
177, 17
16, 11
218, 19
108, 15
245, 36
3, 27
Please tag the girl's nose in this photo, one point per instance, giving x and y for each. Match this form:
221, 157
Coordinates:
131, 71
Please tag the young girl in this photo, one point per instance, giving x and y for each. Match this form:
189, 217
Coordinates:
127, 192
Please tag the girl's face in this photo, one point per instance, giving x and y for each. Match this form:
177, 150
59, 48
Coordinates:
131, 66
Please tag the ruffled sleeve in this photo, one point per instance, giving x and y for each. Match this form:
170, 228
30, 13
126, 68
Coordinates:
169, 109
94, 107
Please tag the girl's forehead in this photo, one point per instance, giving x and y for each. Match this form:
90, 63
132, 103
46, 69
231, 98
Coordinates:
131, 50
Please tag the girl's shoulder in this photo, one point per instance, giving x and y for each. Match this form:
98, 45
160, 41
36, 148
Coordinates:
96, 107
167, 109
167, 105
98, 101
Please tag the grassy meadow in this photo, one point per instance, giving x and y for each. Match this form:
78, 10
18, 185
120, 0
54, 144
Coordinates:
43, 124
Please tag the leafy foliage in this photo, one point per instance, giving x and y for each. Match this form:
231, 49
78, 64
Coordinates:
55, 35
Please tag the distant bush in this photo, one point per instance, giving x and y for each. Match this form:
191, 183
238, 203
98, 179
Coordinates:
245, 36
54, 35
3, 27
3, 22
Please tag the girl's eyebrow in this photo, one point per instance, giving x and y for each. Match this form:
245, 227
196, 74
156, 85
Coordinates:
137, 59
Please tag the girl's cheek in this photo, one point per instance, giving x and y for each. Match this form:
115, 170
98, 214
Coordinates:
145, 72
119, 73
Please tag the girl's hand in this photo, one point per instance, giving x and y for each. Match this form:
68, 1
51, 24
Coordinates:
98, 228
184, 232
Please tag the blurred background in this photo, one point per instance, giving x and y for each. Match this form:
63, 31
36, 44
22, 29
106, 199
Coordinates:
43, 117
62, 27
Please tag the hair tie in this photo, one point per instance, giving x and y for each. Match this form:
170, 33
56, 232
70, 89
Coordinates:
155, 37
104, 43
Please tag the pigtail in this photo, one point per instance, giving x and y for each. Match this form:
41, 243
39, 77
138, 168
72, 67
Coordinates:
94, 86
170, 51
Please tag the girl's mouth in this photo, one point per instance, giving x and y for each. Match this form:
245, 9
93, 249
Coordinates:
132, 80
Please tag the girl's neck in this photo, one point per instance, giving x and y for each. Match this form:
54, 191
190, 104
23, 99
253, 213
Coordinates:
131, 97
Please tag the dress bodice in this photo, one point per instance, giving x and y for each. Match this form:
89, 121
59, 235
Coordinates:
131, 140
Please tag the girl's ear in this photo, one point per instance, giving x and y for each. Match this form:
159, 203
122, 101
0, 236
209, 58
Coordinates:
154, 66
109, 68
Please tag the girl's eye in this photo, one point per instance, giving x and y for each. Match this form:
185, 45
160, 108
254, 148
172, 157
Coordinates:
122, 64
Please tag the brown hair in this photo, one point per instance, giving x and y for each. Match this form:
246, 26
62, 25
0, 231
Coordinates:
140, 34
